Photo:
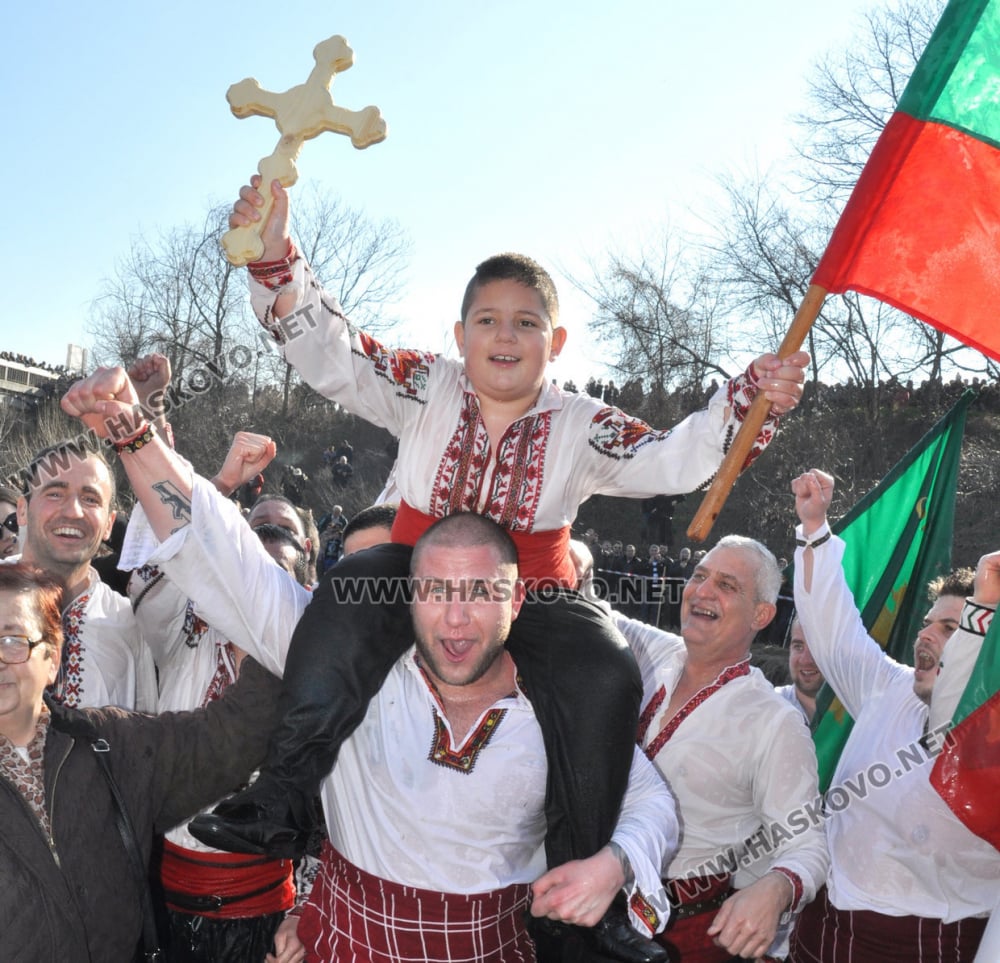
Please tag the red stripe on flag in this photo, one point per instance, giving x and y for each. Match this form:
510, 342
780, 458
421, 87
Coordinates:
967, 772
922, 231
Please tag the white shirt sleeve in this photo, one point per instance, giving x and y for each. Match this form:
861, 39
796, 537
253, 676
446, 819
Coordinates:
851, 661
648, 833
220, 564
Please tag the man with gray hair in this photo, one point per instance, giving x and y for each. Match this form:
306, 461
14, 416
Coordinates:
737, 759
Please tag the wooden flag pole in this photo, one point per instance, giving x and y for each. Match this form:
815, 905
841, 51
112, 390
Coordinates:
719, 491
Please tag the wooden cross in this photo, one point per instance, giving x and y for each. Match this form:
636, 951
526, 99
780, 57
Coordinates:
300, 113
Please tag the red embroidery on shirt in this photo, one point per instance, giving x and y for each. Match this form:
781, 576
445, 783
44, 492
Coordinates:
405, 369
194, 627
796, 882
222, 678
647, 714
69, 685
464, 758
727, 675
644, 910
620, 436
740, 393
512, 481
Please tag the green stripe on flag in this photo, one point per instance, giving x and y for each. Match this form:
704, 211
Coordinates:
898, 538
955, 81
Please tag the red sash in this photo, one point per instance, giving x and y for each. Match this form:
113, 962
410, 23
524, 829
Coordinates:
696, 900
225, 885
543, 557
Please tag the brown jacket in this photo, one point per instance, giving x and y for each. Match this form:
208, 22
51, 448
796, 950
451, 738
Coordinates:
74, 897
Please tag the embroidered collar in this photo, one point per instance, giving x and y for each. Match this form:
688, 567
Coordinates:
550, 398
737, 671
460, 758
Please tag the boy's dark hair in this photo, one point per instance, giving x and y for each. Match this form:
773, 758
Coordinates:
514, 267
374, 516
959, 583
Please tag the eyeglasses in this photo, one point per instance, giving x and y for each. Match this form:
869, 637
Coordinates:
15, 649
10, 523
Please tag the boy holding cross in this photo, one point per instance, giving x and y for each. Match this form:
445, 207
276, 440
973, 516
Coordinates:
491, 435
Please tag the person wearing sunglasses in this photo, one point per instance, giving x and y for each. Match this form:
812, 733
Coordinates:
8, 522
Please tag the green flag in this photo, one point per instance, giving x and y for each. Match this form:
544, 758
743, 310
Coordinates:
898, 538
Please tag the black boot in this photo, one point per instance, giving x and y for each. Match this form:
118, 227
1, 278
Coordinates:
612, 940
615, 938
261, 821
341, 651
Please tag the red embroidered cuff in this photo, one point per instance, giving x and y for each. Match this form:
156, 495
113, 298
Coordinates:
741, 391
796, 882
275, 275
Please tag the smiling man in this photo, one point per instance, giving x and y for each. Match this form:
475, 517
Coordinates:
64, 516
807, 680
907, 880
736, 758
442, 786
435, 853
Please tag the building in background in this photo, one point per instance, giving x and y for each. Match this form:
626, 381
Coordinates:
24, 382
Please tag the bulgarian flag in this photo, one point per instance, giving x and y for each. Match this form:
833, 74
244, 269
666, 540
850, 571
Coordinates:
897, 539
921, 230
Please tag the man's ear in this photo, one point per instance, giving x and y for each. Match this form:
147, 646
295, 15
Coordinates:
763, 613
107, 528
460, 337
518, 594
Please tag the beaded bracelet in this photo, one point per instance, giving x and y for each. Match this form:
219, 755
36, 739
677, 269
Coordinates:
139, 440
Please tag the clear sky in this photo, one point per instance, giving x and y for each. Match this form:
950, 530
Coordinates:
555, 127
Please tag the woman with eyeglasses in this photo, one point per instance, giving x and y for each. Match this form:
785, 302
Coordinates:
8, 522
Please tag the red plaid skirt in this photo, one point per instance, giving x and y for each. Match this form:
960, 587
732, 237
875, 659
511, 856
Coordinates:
825, 934
354, 917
